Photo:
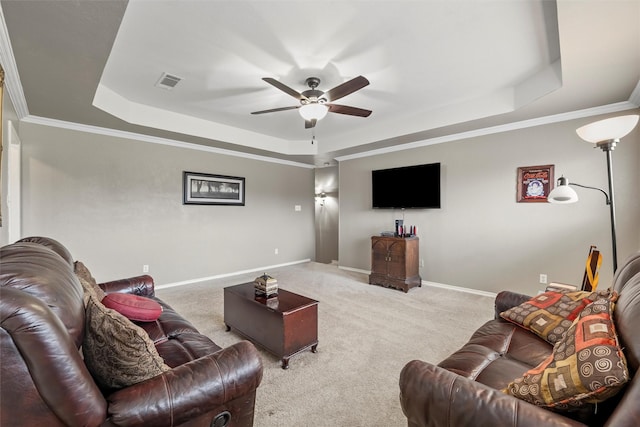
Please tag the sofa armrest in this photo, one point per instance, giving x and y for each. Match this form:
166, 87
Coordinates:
507, 299
44, 349
139, 285
433, 396
190, 390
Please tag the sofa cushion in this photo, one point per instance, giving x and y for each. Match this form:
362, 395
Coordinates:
497, 353
185, 347
133, 307
587, 365
117, 352
551, 313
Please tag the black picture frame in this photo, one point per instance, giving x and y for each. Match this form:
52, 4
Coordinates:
209, 189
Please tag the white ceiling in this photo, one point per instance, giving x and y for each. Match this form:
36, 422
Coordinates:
434, 66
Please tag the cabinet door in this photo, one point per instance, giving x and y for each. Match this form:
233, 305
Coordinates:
396, 263
379, 256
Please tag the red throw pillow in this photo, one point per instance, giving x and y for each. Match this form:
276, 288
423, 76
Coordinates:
133, 307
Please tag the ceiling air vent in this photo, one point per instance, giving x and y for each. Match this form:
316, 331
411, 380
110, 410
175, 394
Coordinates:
168, 81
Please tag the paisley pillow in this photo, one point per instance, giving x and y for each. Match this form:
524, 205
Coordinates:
117, 352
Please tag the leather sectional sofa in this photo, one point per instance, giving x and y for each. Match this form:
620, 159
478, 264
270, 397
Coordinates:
466, 389
45, 380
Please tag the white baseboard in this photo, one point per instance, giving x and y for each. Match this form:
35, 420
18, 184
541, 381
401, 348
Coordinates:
460, 289
235, 273
355, 270
434, 284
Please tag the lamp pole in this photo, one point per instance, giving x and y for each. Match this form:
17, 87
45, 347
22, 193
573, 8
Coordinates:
606, 134
608, 147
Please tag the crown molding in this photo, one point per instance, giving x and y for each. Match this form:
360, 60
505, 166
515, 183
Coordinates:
556, 118
11, 76
635, 95
156, 140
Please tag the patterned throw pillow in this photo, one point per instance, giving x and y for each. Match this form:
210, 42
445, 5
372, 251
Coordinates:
117, 352
550, 314
88, 282
587, 365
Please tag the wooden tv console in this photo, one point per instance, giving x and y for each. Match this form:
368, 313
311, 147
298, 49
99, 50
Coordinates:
395, 262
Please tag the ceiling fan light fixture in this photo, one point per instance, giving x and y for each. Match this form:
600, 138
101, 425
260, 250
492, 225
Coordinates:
313, 111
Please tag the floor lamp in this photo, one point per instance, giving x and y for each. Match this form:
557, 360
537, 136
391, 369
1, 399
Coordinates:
605, 134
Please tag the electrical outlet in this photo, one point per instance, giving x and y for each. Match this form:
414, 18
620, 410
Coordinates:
276, 251
543, 279
145, 268
421, 262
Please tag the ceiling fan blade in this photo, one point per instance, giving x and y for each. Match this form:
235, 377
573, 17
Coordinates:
350, 111
286, 89
273, 110
346, 88
308, 124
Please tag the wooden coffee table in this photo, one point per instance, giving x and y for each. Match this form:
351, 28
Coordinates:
284, 325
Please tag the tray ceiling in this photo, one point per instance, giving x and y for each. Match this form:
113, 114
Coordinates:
435, 67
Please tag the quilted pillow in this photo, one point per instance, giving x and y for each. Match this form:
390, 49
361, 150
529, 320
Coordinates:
587, 365
133, 307
117, 352
550, 314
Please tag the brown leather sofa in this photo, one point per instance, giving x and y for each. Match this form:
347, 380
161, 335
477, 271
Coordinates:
45, 382
465, 389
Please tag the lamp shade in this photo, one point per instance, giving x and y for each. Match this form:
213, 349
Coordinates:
608, 129
313, 111
562, 193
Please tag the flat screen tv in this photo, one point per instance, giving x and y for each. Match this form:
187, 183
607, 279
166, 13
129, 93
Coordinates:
408, 187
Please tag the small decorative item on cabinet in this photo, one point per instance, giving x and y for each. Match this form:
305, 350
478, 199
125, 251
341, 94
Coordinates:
265, 286
406, 231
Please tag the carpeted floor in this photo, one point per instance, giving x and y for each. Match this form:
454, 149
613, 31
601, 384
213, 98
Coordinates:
366, 334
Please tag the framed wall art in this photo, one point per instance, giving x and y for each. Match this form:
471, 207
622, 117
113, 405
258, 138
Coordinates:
534, 183
208, 189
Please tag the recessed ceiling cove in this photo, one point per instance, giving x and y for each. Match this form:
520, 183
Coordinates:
429, 64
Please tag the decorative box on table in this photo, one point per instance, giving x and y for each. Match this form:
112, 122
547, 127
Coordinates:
265, 286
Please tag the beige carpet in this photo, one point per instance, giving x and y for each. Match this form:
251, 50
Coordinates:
366, 334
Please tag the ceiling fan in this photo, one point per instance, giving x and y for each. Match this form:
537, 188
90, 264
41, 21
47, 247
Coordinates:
315, 104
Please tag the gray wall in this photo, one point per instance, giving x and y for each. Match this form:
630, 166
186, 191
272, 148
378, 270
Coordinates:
327, 214
482, 238
117, 204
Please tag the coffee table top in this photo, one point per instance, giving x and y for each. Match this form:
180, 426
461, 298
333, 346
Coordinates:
286, 301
